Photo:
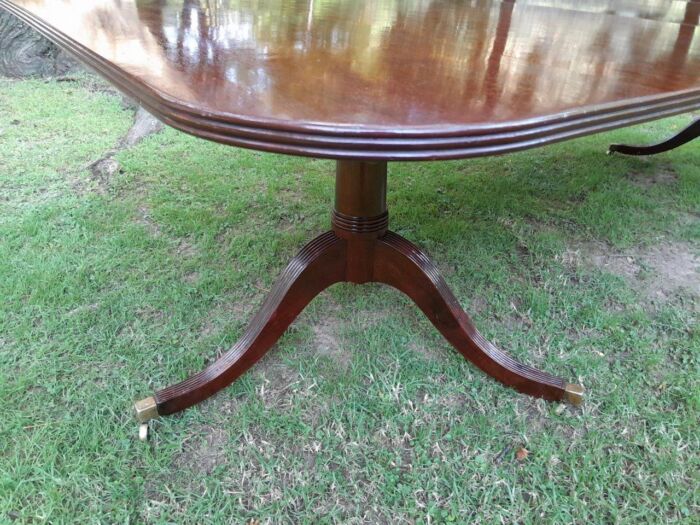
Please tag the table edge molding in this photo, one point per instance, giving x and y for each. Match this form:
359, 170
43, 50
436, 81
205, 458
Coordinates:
367, 143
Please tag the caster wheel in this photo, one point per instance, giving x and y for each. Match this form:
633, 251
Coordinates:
143, 432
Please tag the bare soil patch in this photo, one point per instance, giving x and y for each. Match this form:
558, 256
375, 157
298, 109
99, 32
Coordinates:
228, 311
278, 382
663, 176
191, 277
327, 341
658, 272
205, 452
186, 248
427, 351
144, 219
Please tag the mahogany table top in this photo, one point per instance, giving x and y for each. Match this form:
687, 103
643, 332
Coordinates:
387, 79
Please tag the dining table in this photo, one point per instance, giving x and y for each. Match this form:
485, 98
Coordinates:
367, 83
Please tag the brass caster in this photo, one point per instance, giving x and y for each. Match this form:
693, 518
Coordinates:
143, 432
574, 394
146, 409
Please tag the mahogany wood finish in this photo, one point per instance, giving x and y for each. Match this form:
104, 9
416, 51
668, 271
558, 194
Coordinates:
369, 82
320, 264
406, 80
684, 136
359, 249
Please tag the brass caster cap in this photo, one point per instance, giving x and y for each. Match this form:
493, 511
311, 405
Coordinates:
143, 432
574, 394
146, 409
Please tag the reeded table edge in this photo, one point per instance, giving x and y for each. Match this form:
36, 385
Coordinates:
364, 142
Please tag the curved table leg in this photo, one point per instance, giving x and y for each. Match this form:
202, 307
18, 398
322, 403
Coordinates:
318, 265
402, 265
684, 136
358, 250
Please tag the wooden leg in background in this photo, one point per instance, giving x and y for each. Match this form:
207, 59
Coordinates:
682, 137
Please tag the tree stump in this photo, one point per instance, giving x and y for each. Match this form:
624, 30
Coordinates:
25, 53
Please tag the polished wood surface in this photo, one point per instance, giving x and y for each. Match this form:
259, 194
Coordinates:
360, 253
318, 265
383, 80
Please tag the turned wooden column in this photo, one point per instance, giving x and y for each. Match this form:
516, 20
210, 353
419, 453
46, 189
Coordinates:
359, 249
360, 215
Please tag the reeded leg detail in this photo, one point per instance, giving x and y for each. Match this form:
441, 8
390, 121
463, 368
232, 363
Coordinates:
402, 265
684, 136
358, 250
320, 264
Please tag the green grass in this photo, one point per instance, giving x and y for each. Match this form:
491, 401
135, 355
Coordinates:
362, 413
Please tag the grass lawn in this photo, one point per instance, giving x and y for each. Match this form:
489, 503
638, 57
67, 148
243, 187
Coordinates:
581, 264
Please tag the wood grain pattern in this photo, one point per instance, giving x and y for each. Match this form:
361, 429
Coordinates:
319, 265
389, 259
346, 80
402, 265
363, 252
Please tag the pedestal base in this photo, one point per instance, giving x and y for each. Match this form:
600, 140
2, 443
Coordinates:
358, 250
